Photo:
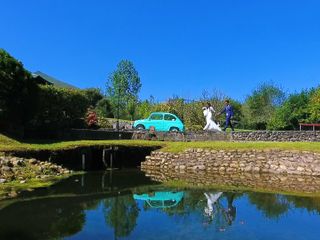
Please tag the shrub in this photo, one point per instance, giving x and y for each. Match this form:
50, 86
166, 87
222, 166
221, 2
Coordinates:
59, 108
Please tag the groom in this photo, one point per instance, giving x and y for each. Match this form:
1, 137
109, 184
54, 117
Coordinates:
228, 109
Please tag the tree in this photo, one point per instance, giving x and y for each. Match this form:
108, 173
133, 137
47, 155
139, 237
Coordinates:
123, 86
132, 108
121, 213
93, 95
104, 109
294, 110
18, 91
259, 107
314, 106
272, 205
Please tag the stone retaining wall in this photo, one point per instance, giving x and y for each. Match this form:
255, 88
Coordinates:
222, 161
270, 136
278, 136
273, 170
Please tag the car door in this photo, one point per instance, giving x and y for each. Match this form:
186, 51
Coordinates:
169, 122
156, 120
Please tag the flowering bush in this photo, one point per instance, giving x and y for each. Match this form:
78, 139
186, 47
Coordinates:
91, 119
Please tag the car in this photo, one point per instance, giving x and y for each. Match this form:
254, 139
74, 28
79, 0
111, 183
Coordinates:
161, 121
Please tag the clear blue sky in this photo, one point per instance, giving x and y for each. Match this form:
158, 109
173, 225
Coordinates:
178, 47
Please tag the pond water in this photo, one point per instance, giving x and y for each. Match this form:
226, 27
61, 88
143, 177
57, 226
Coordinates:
127, 205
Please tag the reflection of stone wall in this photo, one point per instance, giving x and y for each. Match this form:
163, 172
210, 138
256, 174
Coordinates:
192, 164
255, 181
278, 136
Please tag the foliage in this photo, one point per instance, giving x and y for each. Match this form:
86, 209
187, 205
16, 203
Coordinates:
144, 109
104, 109
104, 122
314, 106
272, 205
293, 111
132, 108
121, 213
93, 96
59, 108
123, 86
18, 91
259, 107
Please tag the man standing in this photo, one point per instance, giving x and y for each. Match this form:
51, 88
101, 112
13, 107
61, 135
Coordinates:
228, 109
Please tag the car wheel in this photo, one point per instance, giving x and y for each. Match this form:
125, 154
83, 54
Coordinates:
174, 129
140, 127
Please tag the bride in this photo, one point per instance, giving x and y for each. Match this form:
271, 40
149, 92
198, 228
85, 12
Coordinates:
211, 125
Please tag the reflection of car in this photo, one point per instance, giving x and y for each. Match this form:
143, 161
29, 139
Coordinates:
161, 121
160, 199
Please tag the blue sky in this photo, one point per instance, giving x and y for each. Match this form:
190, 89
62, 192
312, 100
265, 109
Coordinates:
178, 47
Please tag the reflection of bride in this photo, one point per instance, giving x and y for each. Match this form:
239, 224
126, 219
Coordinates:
212, 198
211, 125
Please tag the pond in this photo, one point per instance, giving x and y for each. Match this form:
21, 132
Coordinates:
128, 205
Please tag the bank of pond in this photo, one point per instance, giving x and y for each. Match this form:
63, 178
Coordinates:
127, 204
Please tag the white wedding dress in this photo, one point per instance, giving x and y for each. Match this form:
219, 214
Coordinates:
211, 125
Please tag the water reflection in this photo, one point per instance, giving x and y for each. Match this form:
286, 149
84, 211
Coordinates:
160, 199
127, 205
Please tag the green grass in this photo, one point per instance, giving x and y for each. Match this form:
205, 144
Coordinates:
10, 145
16, 186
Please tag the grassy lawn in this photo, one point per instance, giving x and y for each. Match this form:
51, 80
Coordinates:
9, 145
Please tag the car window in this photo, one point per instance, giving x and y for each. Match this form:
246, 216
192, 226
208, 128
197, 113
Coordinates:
169, 117
156, 116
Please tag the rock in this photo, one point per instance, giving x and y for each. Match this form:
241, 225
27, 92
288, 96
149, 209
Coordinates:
2, 180
6, 169
32, 161
23, 181
13, 194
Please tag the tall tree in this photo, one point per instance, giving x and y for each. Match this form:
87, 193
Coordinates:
123, 86
259, 107
18, 91
93, 95
314, 106
121, 213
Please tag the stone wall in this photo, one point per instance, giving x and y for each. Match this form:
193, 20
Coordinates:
270, 136
183, 137
278, 136
256, 161
273, 169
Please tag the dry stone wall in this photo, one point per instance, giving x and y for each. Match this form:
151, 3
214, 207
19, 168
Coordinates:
270, 136
278, 136
274, 170
222, 161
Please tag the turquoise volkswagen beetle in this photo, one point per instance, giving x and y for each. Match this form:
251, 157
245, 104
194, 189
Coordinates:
161, 121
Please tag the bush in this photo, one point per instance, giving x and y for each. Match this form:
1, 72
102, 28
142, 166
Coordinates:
91, 118
104, 123
59, 108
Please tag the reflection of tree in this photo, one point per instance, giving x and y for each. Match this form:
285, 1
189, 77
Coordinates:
272, 205
121, 213
48, 219
309, 203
